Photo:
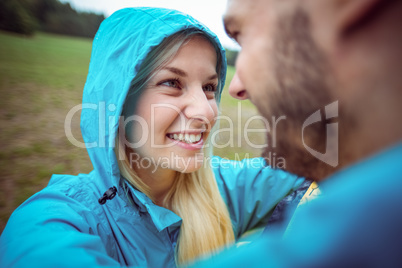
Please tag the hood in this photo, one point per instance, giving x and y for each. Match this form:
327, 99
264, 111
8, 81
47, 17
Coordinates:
120, 46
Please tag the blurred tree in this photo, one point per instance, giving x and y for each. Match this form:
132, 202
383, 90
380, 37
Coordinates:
41, 8
16, 17
25, 16
65, 20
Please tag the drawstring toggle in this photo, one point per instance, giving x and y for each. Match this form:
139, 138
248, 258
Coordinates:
108, 195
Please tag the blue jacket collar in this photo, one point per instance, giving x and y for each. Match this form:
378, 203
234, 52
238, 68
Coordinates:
161, 217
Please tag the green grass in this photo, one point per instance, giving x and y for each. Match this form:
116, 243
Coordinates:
235, 115
47, 60
227, 100
41, 79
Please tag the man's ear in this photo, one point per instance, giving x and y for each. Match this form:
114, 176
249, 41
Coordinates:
352, 13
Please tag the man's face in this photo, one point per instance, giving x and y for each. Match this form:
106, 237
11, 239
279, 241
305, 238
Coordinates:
282, 71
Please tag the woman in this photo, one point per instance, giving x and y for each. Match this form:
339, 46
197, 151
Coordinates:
155, 198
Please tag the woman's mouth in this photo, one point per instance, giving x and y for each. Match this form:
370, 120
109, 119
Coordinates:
185, 137
188, 141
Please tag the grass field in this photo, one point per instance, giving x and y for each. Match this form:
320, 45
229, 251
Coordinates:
41, 79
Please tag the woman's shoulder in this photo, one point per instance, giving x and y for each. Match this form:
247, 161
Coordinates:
78, 195
63, 192
81, 188
67, 202
66, 213
67, 198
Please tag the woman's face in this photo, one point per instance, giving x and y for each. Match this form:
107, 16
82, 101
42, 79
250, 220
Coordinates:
177, 110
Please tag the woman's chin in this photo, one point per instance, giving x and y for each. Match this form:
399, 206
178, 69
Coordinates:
190, 165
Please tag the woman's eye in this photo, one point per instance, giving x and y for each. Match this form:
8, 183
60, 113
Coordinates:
171, 83
210, 88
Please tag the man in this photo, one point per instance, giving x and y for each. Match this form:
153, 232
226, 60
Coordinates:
332, 69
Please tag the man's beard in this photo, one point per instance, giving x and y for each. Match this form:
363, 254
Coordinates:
302, 80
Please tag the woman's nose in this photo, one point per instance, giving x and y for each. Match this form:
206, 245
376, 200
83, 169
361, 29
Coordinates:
236, 88
200, 109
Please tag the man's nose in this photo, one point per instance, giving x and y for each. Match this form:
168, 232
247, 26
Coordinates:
236, 88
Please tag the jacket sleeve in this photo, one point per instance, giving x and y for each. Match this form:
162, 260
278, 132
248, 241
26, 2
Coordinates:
52, 230
251, 189
355, 223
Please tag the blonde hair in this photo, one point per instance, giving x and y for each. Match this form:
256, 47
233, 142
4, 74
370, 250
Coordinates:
195, 197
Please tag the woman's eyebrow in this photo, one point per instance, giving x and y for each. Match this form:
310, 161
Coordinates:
176, 71
184, 74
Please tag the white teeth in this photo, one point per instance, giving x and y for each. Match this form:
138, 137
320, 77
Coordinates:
192, 138
187, 138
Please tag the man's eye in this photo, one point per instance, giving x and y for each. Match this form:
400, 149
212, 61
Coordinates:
235, 36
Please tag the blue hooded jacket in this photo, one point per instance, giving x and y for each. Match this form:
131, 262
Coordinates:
64, 225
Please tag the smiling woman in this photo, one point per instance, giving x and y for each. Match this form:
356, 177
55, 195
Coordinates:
156, 196
162, 152
178, 104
